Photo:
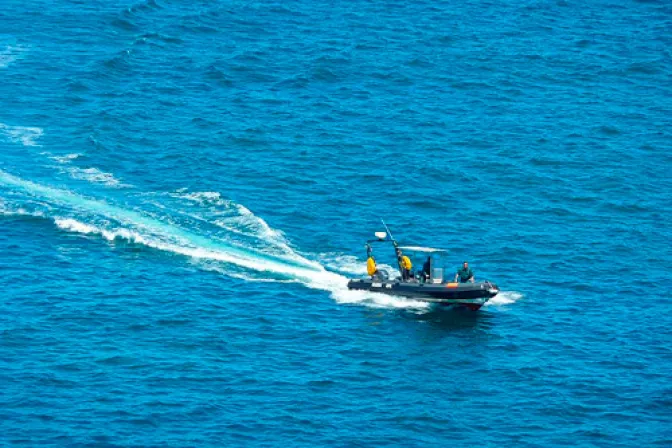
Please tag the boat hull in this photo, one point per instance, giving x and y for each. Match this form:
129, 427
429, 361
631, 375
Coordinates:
469, 295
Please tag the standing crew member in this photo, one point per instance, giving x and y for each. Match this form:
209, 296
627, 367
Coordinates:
465, 274
405, 265
371, 267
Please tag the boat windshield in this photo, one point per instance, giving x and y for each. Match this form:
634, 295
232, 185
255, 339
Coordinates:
420, 256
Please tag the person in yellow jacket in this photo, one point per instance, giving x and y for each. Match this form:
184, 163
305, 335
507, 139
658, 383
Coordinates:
405, 265
371, 267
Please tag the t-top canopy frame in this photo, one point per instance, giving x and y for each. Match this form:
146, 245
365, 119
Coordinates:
429, 250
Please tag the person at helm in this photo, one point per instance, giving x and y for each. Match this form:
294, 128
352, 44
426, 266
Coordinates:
465, 274
426, 268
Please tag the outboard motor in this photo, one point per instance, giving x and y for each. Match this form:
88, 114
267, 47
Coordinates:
381, 275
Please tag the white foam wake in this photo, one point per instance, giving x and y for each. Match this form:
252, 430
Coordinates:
94, 175
314, 277
504, 298
27, 136
242, 217
112, 222
236, 219
73, 225
91, 174
205, 198
6, 210
184, 245
348, 264
66, 158
375, 300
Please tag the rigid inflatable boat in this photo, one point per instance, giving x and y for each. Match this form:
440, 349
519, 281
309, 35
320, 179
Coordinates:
427, 285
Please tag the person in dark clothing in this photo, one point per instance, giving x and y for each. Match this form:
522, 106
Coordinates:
465, 274
426, 269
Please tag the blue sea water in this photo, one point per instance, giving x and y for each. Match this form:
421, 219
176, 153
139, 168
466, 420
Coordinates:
185, 188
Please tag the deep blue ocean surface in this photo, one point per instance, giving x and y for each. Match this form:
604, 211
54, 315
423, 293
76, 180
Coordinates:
185, 188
